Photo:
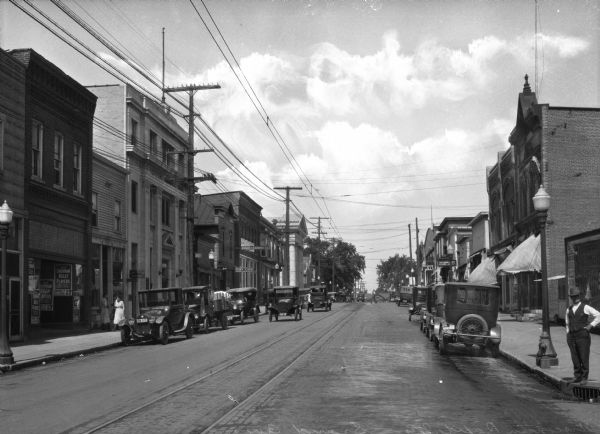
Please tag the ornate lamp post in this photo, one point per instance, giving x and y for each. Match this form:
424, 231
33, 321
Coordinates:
6, 355
211, 259
546, 355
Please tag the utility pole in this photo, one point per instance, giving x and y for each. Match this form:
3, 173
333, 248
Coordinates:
191, 90
410, 252
418, 255
319, 246
286, 274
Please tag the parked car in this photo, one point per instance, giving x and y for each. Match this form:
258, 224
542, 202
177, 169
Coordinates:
209, 308
427, 311
419, 294
244, 304
319, 298
162, 313
467, 313
405, 296
285, 301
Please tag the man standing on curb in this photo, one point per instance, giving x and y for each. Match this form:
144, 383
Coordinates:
578, 334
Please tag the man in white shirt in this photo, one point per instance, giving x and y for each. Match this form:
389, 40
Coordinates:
578, 326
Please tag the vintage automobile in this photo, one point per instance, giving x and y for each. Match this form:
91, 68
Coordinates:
467, 313
419, 294
244, 304
285, 301
427, 311
209, 308
162, 313
405, 296
318, 299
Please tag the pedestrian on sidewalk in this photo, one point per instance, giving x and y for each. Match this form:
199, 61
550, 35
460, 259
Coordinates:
119, 312
578, 326
105, 314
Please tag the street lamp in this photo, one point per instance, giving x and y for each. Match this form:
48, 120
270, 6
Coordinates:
211, 259
546, 355
6, 355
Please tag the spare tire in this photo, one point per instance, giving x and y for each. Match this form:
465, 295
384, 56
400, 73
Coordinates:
472, 324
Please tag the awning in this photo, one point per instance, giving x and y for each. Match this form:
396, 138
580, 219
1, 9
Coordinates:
525, 257
484, 273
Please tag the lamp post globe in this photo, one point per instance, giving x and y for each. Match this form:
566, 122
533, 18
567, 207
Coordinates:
6, 355
546, 355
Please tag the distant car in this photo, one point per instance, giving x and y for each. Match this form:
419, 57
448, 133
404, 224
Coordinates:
467, 313
244, 304
319, 298
418, 299
163, 313
209, 308
285, 301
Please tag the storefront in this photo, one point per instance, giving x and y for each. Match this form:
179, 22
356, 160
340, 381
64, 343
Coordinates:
583, 264
55, 290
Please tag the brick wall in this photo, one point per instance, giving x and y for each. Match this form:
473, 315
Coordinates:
571, 175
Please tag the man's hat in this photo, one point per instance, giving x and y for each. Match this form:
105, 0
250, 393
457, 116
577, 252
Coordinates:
574, 292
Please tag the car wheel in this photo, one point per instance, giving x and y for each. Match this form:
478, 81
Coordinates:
442, 345
224, 324
125, 336
242, 317
189, 330
163, 333
472, 324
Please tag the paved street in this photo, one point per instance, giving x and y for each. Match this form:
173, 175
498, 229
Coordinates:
360, 368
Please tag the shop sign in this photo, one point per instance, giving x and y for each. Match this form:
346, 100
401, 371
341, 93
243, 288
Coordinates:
63, 280
447, 263
46, 295
35, 307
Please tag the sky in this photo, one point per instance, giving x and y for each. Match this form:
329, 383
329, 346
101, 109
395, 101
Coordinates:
384, 113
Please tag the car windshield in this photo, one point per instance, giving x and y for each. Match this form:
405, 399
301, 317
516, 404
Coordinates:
158, 298
317, 290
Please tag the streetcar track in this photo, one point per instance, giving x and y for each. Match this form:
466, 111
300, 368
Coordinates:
249, 400
218, 370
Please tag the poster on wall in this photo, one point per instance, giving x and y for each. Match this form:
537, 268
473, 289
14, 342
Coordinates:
76, 308
32, 275
35, 307
62, 280
46, 295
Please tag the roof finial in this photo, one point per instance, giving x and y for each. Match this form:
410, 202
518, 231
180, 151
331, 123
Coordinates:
526, 87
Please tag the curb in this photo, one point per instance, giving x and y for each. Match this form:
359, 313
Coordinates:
56, 357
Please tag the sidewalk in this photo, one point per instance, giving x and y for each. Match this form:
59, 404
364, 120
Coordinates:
519, 345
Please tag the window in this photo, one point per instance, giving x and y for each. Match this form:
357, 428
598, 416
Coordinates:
134, 194
134, 132
77, 168
58, 159
117, 226
153, 143
166, 211
37, 145
94, 208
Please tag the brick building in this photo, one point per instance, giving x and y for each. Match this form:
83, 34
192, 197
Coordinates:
59, 116
556, 147
12, 183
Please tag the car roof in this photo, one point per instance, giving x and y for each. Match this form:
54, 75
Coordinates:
159, 289
238, 290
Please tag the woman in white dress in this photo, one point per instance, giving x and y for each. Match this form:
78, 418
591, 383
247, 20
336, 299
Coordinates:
119, 311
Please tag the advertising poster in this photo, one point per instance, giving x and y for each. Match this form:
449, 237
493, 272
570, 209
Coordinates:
35, 307
63, 283
32, 275
46, 295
